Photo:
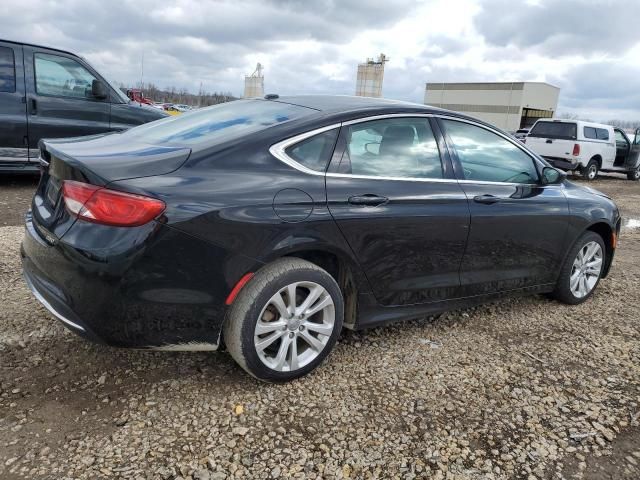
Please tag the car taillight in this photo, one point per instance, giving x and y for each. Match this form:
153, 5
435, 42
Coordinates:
576, 149
109, 207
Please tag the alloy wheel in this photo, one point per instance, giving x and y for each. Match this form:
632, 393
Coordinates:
586, 269
294, 326
593, 171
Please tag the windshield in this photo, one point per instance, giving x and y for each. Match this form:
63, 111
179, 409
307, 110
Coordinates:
217, 123
560, 130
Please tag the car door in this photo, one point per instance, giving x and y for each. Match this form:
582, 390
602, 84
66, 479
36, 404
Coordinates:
632, 163
59, 100
628, 152
398, 206
13, 114
518, 225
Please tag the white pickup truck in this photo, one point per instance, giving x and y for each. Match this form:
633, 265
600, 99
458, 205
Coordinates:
586, 147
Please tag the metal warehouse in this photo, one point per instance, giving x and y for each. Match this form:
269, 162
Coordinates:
507, 105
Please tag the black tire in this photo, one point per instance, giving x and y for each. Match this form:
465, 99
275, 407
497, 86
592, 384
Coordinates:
240, 323
634, 175
590, 172
563, 291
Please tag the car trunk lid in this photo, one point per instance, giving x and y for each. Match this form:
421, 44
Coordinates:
97, 160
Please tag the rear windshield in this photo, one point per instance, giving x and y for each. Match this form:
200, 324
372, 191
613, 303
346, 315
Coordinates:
217, 123
562, 130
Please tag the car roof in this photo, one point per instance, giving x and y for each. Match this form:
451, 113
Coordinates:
39, 46
583, 123
337, 103
345, 107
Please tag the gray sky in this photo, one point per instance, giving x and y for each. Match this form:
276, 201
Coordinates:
591, 49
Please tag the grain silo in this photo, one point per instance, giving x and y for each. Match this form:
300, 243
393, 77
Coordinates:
254, 83
370, 76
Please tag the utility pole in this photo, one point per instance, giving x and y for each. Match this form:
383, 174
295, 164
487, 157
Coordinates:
142, 72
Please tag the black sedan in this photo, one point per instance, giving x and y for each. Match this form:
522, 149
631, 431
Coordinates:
268, 225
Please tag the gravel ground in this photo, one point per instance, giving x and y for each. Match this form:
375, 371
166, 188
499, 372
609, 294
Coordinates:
525, 388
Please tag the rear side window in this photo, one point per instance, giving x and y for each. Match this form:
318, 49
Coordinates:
216, 124
602, 133
314, 152
7, 70
488, 157
559, 130
399, 147
590, 132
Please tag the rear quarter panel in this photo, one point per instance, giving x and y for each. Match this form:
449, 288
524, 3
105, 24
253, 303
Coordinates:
227, 199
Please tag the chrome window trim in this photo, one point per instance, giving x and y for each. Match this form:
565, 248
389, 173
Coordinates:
385, 116
278, 150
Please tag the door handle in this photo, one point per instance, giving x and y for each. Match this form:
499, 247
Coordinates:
549, 140
368, 200
486, 199
33, 106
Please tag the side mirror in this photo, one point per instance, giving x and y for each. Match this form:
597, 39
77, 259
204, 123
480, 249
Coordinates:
98, 90
551, 176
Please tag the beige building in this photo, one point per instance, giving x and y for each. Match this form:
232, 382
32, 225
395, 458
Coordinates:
370, 77
507, 105
254, 83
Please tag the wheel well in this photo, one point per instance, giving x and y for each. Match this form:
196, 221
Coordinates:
598, 159
341, 273
605, 231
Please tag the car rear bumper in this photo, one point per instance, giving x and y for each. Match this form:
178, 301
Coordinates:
131, 299
42, 291
562, 163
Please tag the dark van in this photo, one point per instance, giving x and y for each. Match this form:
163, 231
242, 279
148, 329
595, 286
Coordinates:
50, 93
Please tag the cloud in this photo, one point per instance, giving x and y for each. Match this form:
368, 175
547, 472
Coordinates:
587, 48
602, 85
561, 28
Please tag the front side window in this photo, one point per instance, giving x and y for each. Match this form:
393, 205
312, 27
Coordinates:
7, 70
620, 137
314, 152
488, 157
62, 77
399, 147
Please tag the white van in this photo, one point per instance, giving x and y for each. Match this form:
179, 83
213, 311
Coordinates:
585, 147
